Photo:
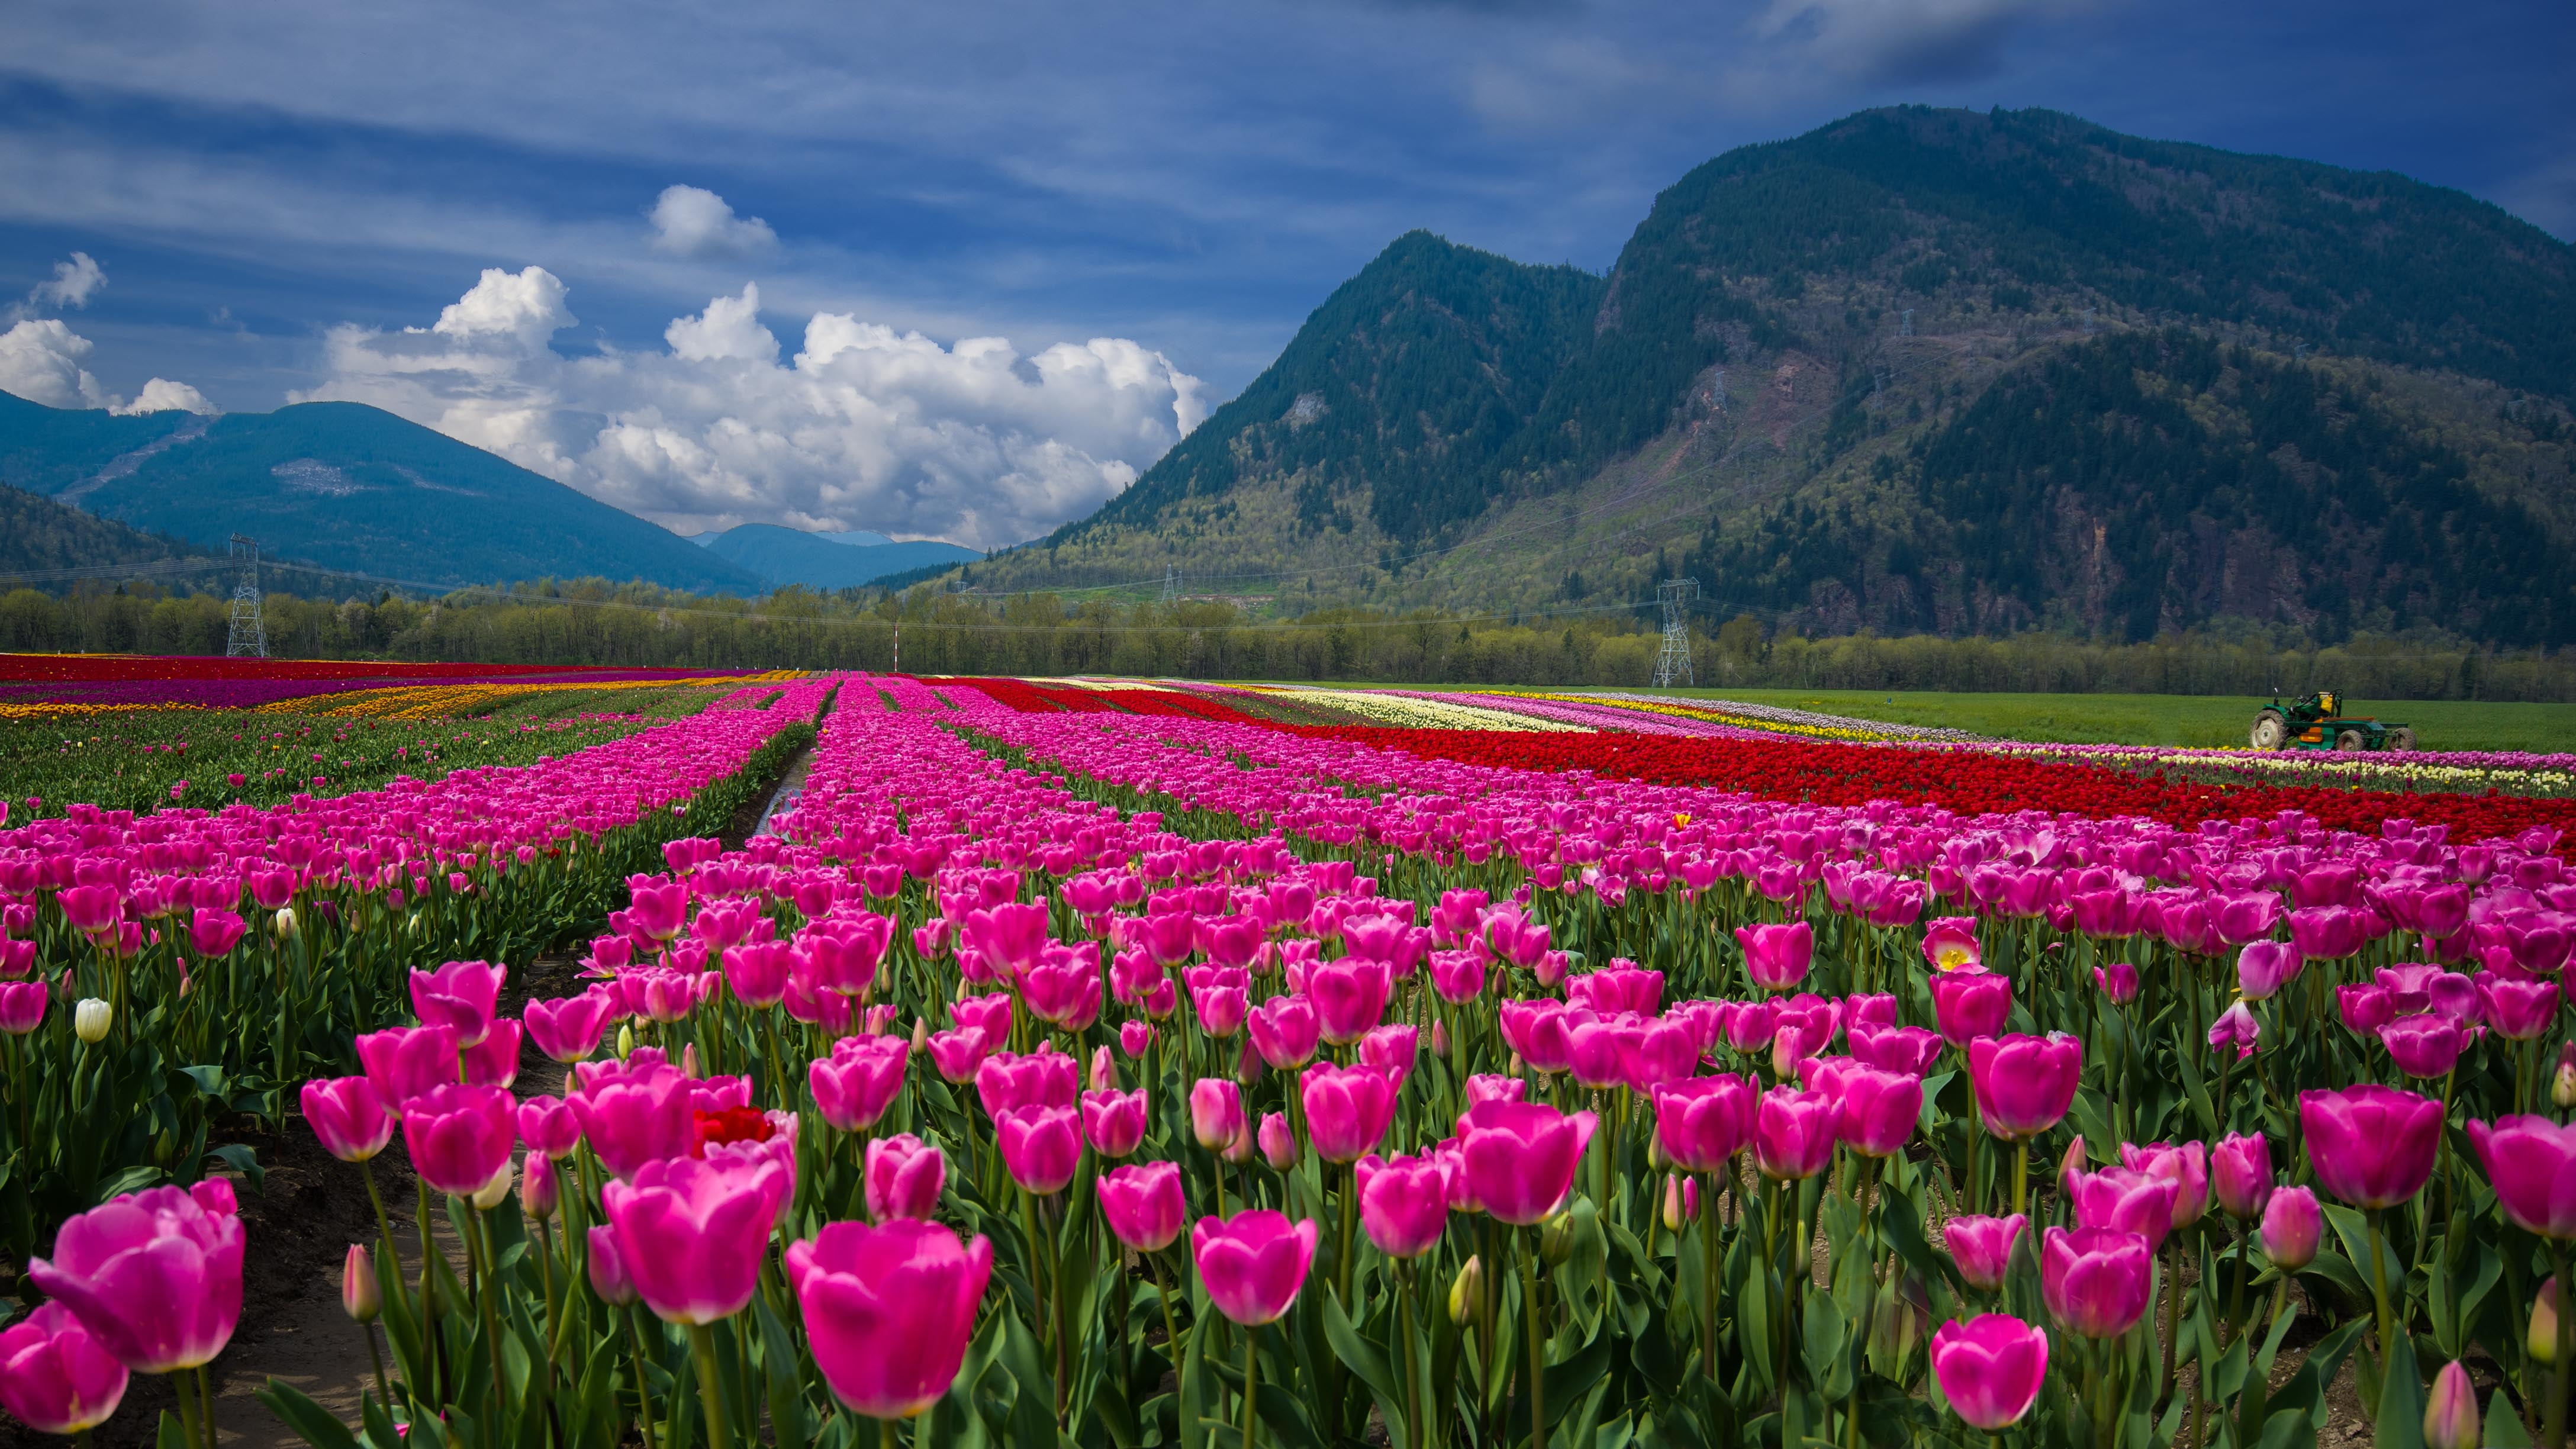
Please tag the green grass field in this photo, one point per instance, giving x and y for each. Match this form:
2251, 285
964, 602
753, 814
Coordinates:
2168, 719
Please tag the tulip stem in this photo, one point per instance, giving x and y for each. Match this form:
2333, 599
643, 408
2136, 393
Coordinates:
2021, 1173
1537, 1345
1350, 1214
368, 1332
384, 1225
643, 1386
2553, 1431
206, 1400
491, 1287
187, 1405
1251, 1377
1708, 1273
702, 1342
2379, 1293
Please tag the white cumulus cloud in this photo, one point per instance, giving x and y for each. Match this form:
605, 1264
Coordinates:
863, 427
161, 395
691, 221
41, 362
74, 282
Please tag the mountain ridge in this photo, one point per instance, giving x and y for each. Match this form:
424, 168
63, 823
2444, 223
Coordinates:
1794, 325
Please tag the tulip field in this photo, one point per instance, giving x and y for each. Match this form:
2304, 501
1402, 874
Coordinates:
1153, 1063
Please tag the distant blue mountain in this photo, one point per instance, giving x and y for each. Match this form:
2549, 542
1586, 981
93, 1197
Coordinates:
782, 556
344, 486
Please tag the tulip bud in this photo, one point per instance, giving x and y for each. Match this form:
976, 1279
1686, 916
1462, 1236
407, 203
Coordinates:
411, 926
2072, 1163
360, 1297
1467, 1293
490, 1194
284, 924
689, 1061
2451, 1413
1278, 1144
1681, 1202
625, 1042
1104, 1072
538, 1189
920, 1035
91, 1019
2292, 1223
1556, 1239
1655, 1157
2542, 1344
1784, 1052
1249, 1066
2562, 1087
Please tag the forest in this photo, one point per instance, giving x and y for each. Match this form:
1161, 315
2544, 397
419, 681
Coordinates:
592, 622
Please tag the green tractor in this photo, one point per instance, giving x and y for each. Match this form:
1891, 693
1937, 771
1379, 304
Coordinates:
2317, 722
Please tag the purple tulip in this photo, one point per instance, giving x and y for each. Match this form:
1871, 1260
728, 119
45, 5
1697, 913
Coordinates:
1982, 1247
2531, 1162
1143, 1204
904, 1176
2096, 1281
1968, 1005
2372, 1146
1991, 1368
1404, 1204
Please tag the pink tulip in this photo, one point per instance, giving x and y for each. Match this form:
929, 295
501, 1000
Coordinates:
1537, 1031
1519, 1157
2372, 1146
889, 1310
1253, 1263
1701, 1122
1982, 1247
153, 1276
1347, 1109
2240, 1168
1216, 1113
1395, 1047
2326, 933
659, 910
1114, 1122
2451, 1410
1349, 996
22, 1004
904, 1176
2121, 1199
1040, 1145
1908, 1049
1878, 1110
634, 1113
215, 933
856, 1085
2364, 1008
1776, 956
608, 1276
990, 1014
2025, 1083
569, 1030
756, 972
55, 1375
2096, 1281
1042, 1078
548, 1127
2118, 982
2423, 1047
1009, 936
1278, 1144
460, 995
2249, 916
1991, 1368
1285, 1030
2518, 1010
1220, 1009
405, 1062
1404, 1204
494, 1061
1488, 1087
1134, 1037
2263, 966
1457, 976
1970, 1004
2531, 1162
692, 1233
2292, 1227
348, 1116
959, 1055
1950, 943
2186, 1166
539, 1190
460, 1137
1143, 1205
1794, 1134
2236, 1028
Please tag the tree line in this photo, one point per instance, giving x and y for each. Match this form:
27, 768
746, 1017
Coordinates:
642, 626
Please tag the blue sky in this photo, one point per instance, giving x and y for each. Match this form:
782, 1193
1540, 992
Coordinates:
273, 191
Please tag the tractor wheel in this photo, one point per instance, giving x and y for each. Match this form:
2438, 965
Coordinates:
2271, 732
2402, 738
2351, 740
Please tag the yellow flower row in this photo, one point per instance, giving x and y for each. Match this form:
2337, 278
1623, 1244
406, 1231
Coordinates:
1404, 712
52, 709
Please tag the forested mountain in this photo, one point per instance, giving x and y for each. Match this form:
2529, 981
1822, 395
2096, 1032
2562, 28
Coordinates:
43, 538
1920, 369
344, 486
782, 556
